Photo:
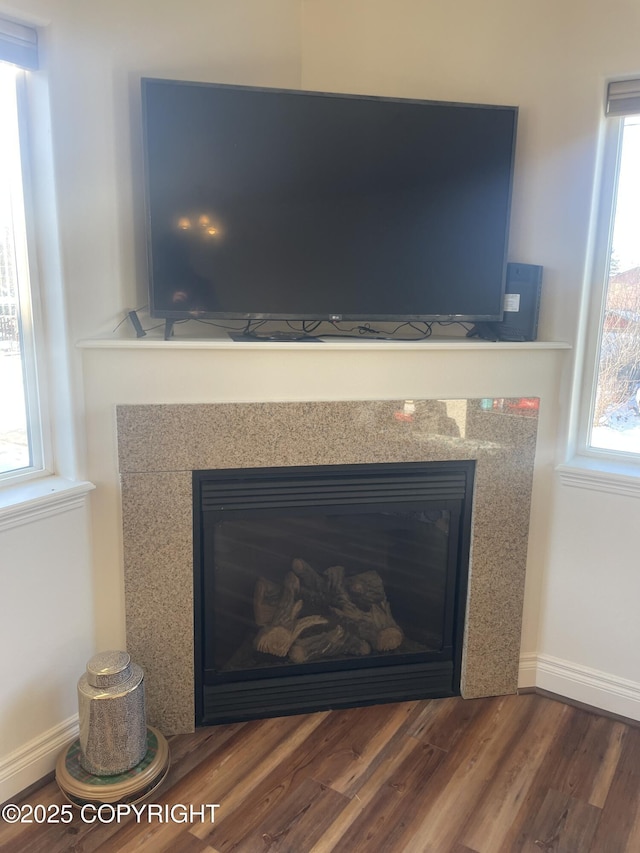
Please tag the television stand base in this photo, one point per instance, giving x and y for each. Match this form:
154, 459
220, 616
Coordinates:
274, 336
485, 331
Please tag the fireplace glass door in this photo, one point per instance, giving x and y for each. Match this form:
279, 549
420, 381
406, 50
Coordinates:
328, 586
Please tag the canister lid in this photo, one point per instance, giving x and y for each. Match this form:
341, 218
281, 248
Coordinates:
107, 669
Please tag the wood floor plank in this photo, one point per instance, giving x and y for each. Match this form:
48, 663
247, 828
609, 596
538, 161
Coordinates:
294, 824
513, 774
507, 789
633, 836
563, 825
372, 730
591, 766
241, 793
15, 837
214, 748
188, 752
619, 826
387, 821
184, 842
340, 749
607, 765
458, 787
442, 722
402, 748
242, 762
555, 772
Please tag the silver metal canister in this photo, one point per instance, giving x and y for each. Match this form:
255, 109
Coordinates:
113, 724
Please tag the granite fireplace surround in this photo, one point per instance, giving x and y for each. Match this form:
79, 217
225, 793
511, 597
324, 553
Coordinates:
160, 445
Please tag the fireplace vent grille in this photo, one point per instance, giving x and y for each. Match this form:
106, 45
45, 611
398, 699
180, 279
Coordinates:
306, 488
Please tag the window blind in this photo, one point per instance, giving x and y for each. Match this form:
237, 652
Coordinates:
623, 98
18, 44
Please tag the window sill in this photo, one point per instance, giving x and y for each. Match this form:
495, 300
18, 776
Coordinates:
36, 499
601, 475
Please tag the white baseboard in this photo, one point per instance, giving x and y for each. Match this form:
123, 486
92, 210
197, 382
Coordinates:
528, 671
581, 683
35, 759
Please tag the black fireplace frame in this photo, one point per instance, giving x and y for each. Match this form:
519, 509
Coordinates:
308, 687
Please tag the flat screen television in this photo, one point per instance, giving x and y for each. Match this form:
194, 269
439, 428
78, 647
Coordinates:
294, 205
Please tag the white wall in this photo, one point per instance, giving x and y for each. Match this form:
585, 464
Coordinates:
46, 633
590, 631
551, 59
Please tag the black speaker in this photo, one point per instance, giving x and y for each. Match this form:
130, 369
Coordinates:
521, 307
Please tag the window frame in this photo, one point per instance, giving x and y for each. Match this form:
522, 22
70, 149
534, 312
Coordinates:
598, 275
31, 321
30, 495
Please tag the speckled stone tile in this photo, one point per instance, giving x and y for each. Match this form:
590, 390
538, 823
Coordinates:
160, 445
158, 574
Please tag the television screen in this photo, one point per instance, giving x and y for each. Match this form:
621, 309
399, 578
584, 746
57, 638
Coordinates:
283, 204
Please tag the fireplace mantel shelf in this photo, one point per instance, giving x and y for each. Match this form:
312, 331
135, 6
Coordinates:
326, 344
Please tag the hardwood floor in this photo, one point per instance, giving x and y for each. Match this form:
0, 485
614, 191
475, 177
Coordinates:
513, 773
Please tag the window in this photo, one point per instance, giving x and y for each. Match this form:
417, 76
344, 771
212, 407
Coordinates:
613, 422
21, 443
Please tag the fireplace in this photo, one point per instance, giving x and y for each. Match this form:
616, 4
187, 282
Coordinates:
160, 446
328, 586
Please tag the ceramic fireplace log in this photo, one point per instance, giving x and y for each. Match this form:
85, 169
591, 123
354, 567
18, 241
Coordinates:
333, 587
365, 589
375, 625
313, 586
266, 596
317, 646
285, 627
357, 603
337, 641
